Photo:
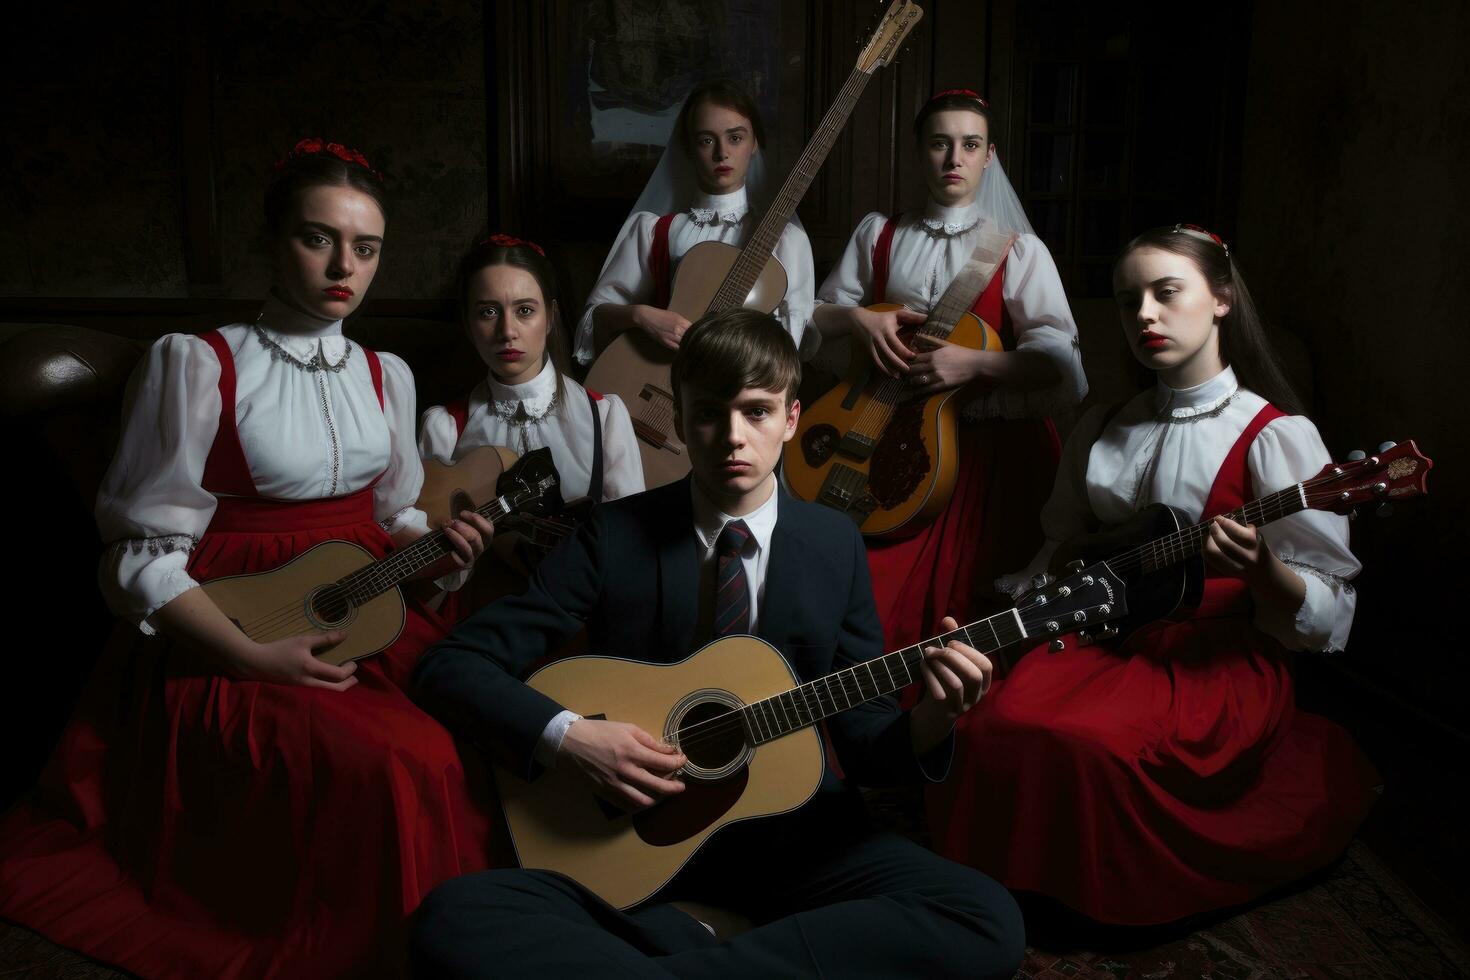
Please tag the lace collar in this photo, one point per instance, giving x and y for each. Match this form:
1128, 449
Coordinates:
941, 220
1204, 400
711, 208
525, 403
303, 341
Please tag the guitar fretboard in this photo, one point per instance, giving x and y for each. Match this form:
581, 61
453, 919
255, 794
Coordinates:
1187, 542
810, 703
747, 268
383, 574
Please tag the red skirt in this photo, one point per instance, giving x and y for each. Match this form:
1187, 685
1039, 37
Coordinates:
190, 825
991, 526
1144, 785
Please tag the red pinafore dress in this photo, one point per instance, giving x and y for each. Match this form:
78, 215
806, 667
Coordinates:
1167, 778
992, 523
193, 825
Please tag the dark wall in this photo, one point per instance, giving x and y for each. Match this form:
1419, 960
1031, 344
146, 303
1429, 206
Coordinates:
1352, 225
139, 139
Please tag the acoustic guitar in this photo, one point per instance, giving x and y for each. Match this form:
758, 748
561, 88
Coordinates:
713, 276
736, 709
886, 460
339, 585
1157, 552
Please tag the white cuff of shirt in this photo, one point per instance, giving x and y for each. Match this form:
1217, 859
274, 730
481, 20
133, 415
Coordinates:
549, 744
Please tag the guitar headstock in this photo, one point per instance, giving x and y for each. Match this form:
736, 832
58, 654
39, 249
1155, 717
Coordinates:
1088, 598
532, 485
882, 47
1396, 471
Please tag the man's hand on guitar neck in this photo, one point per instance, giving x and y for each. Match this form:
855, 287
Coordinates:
625, 765
956, 677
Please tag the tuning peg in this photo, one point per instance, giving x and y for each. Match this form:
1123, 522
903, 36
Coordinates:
1384, 447
1353, 514
1040, 580
1076, 566
1385, 510
1056, 646
1356, 455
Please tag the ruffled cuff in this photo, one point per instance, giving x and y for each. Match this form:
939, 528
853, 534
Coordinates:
1065, 395
454, 581
139, 576
1317, 625
549, 744
408, 518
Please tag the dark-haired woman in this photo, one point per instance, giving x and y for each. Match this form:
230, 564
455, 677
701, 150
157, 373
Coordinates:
1175, 775
1007, 447
506, 291
220, 807
703, 189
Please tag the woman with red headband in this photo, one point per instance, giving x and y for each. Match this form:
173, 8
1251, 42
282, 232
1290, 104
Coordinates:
1007, 451
506, 291
217, 806
1174, 775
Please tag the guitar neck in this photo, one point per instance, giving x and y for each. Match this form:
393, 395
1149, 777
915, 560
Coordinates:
753, 257
1188, 542
385, 573
810, 703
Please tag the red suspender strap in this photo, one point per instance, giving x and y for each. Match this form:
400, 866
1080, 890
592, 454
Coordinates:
1232, 483
881, 248
459, 411
659, 264
225, 469
375, 368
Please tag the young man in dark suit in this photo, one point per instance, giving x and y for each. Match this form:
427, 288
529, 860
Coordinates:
653, 577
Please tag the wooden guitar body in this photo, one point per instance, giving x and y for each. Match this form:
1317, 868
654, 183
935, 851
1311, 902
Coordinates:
891, 468
466, 484
297, 598
557, 824
1152, 595
635, 367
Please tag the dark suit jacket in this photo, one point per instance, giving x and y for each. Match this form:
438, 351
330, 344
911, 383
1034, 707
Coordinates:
631, 574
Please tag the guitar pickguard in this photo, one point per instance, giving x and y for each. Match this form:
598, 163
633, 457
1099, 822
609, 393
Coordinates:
901, 461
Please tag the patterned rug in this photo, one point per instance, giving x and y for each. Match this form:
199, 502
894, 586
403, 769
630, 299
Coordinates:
1356, 921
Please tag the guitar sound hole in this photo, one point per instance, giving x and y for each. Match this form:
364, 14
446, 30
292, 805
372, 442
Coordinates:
330, 607
717, 739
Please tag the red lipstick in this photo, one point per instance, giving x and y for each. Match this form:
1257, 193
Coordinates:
510, 354
338, 292
1152, 341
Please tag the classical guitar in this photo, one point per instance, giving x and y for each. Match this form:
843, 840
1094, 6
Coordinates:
889, 461
736, 709
339, 585
522, 539
714, 276
1157, 552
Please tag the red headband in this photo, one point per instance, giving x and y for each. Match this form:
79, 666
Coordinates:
1196, 229
511, 241
315, 146
960, 91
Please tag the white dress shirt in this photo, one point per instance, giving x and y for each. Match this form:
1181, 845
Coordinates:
306, 435
626, 278
928, 250
1166, 446
529, 416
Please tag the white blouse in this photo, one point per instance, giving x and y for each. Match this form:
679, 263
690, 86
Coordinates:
1167, 446
529, 416
928, 250
306, 435
626, 279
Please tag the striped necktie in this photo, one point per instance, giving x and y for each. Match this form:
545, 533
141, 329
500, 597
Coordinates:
732, 593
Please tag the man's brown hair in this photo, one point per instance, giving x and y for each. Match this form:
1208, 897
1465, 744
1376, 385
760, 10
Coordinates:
725, 353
